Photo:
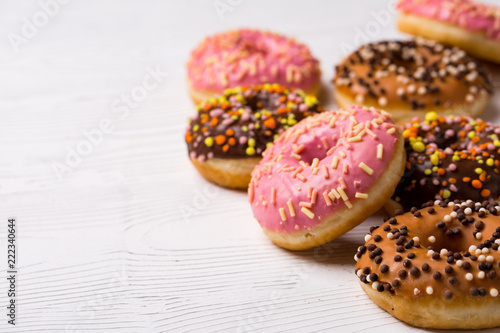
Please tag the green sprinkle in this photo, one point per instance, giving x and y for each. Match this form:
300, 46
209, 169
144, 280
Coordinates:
428, 172
446, 194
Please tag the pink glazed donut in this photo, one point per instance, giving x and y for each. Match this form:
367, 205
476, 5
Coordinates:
472, 26
248, 57
325, 175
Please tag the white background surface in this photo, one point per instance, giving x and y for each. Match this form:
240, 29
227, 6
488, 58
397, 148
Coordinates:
134, 240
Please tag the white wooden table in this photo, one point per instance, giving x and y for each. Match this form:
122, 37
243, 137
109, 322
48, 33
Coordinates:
115, 229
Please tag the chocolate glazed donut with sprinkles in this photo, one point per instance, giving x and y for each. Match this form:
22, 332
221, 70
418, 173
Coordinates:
228, 135
437, 267
410, 78
448, 158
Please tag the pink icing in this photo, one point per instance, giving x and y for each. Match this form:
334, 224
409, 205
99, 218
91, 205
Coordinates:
280, 176
247, 57
466, 14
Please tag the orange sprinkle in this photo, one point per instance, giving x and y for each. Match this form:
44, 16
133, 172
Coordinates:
229, 132
452, 180
214, 121
476, 184
482, 176
441, 171
189, 138
466, 179
225, 148
270, 123
220, 140
445, 183
485, 192
231, 141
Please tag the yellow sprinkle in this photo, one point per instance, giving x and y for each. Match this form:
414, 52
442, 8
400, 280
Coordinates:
290, 208
471, 134
250, 151
380, 151
335, 162
251, 142
361, 195
342, 193
366, 168
496, 143
209, 141
342, 154
335, 193
315, 171
307, 212
435, 158
418, 146
332, 121
431, 116
478, 171
314, 163
456, 158
283, 214
428, 172
348, 204
490, 162
391, 130
446, 194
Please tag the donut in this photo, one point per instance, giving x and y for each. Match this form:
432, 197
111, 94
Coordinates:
249, 57
472, 26
229, 133
436, 267
410, 78
325, 175
449, 158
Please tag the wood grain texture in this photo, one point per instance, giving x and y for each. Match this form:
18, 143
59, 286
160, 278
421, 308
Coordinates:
133, 239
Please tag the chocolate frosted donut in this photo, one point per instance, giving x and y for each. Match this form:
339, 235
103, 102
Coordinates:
409, 78
449, 158
437, 267
228, 135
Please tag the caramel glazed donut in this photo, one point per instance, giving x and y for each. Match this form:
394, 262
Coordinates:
449, 158
409, 78
436, 267
325, 175
228, 135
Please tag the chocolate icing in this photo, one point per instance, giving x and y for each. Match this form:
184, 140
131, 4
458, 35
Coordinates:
243, 121
449, 158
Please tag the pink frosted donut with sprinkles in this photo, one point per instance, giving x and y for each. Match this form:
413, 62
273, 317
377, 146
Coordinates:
248, 57
472, 26
325, 175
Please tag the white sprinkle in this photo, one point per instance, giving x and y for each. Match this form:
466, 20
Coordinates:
481, 258
481, 275
382, 101
430, 253
493, 292
453, 214
416, 239
472, 248
467, 211
375, 285
469, 276
359, 271
479, 235
478, 252
431, 239
490, 259
416, 291
485, 250
429, 290
356, 259
447, 218
459, 263
444, 252
368, 237
390, 235
380, 151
